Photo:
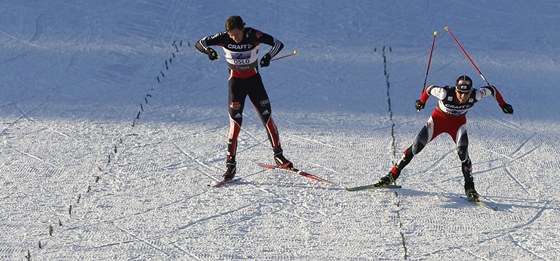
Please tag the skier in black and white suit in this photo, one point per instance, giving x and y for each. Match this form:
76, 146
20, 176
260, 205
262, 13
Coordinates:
241, 48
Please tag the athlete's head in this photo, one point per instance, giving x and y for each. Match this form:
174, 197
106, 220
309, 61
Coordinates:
463, 84
463, 88
235, 27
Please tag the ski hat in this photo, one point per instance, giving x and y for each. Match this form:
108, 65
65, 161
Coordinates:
463, 84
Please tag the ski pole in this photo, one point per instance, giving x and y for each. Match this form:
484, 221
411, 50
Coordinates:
466, 54
295, 52
429, 60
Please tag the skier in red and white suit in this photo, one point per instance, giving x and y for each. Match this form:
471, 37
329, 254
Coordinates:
241, 47
449, 117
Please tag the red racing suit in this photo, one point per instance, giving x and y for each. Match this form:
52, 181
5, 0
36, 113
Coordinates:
449, 116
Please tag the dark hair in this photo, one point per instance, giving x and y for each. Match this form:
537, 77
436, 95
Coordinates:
233, 22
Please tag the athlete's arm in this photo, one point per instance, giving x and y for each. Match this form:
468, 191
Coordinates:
265, 38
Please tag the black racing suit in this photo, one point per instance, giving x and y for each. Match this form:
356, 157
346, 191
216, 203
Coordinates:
245, 80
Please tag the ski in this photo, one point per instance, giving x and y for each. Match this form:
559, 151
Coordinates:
371, 186
295, 171
480, 203
223, 183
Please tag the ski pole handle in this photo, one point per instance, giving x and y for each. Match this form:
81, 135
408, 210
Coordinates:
295, 52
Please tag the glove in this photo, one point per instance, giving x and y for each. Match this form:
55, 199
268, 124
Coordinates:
507, 108
419, 105
212, 55
265, 60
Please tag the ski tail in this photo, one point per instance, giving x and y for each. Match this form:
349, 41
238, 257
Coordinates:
481, 203
223, 183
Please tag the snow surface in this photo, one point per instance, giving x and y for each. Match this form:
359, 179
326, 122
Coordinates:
112, 126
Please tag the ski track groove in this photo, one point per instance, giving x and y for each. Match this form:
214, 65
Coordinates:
525, 154
474, 255
508, 124
524, 144
217, 215
507, 232
516, 243
198, 162
36, 158
511, 158
497, 234
506, 169
298, 138
25, 115
185, 251
142, 240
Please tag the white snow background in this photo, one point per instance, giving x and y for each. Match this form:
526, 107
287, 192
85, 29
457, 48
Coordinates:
112, 126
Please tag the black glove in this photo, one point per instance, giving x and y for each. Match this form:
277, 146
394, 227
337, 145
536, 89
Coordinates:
419, 105
507, 108
212, 55
265, 60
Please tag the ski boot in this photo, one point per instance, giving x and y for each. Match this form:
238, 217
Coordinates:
282, 161
388, 179
472, 195
230, 171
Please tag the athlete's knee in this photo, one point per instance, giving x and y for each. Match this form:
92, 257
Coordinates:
235, 117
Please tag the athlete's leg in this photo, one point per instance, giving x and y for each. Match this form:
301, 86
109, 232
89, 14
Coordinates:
236, 103
462, 141
260, 100
425, 135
